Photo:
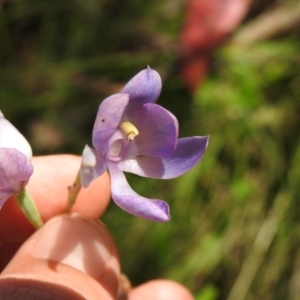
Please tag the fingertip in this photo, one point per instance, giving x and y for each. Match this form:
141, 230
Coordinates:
160, 289
49, 187
70, 255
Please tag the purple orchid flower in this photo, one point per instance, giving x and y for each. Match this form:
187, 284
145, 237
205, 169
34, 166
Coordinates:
15, 165
133, 134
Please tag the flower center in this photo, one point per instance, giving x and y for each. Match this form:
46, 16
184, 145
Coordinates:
116, 148
129, 130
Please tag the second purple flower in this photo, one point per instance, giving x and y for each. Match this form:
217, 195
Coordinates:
15, 165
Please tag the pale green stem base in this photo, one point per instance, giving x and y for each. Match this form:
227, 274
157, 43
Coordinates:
74, 190
29, 208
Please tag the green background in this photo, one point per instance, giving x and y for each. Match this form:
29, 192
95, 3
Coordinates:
235, 231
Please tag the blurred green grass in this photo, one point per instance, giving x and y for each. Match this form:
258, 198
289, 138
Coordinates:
234, 227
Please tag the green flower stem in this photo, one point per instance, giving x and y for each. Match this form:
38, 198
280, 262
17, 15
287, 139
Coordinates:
74, 190
29, 208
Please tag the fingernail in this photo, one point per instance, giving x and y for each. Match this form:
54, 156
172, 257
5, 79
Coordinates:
79, 242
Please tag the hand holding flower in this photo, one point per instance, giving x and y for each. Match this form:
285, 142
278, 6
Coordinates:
73, 255
51, 263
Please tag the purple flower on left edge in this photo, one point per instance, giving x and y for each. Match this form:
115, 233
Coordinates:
15, 165
133, 134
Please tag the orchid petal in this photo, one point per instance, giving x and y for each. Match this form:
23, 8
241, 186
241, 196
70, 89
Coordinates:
91, 166
145, 87
188, 153
158, 132
128, 200
15, 171
10, 137
108, 119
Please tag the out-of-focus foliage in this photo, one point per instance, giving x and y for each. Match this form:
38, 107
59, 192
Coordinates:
234, 232
206, 24
59, 59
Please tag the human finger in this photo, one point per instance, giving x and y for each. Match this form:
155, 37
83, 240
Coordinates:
48, 187
160, 289
70, 257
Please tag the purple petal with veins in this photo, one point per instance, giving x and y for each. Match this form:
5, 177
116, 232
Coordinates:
108, 119
128, 200
188, 153
15, 171
144, 87
158, 131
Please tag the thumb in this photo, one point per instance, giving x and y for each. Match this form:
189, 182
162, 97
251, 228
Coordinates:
70, 257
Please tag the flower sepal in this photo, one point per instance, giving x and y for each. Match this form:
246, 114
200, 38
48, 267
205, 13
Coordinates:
29, 208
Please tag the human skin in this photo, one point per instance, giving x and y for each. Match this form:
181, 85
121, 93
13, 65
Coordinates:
73, 256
